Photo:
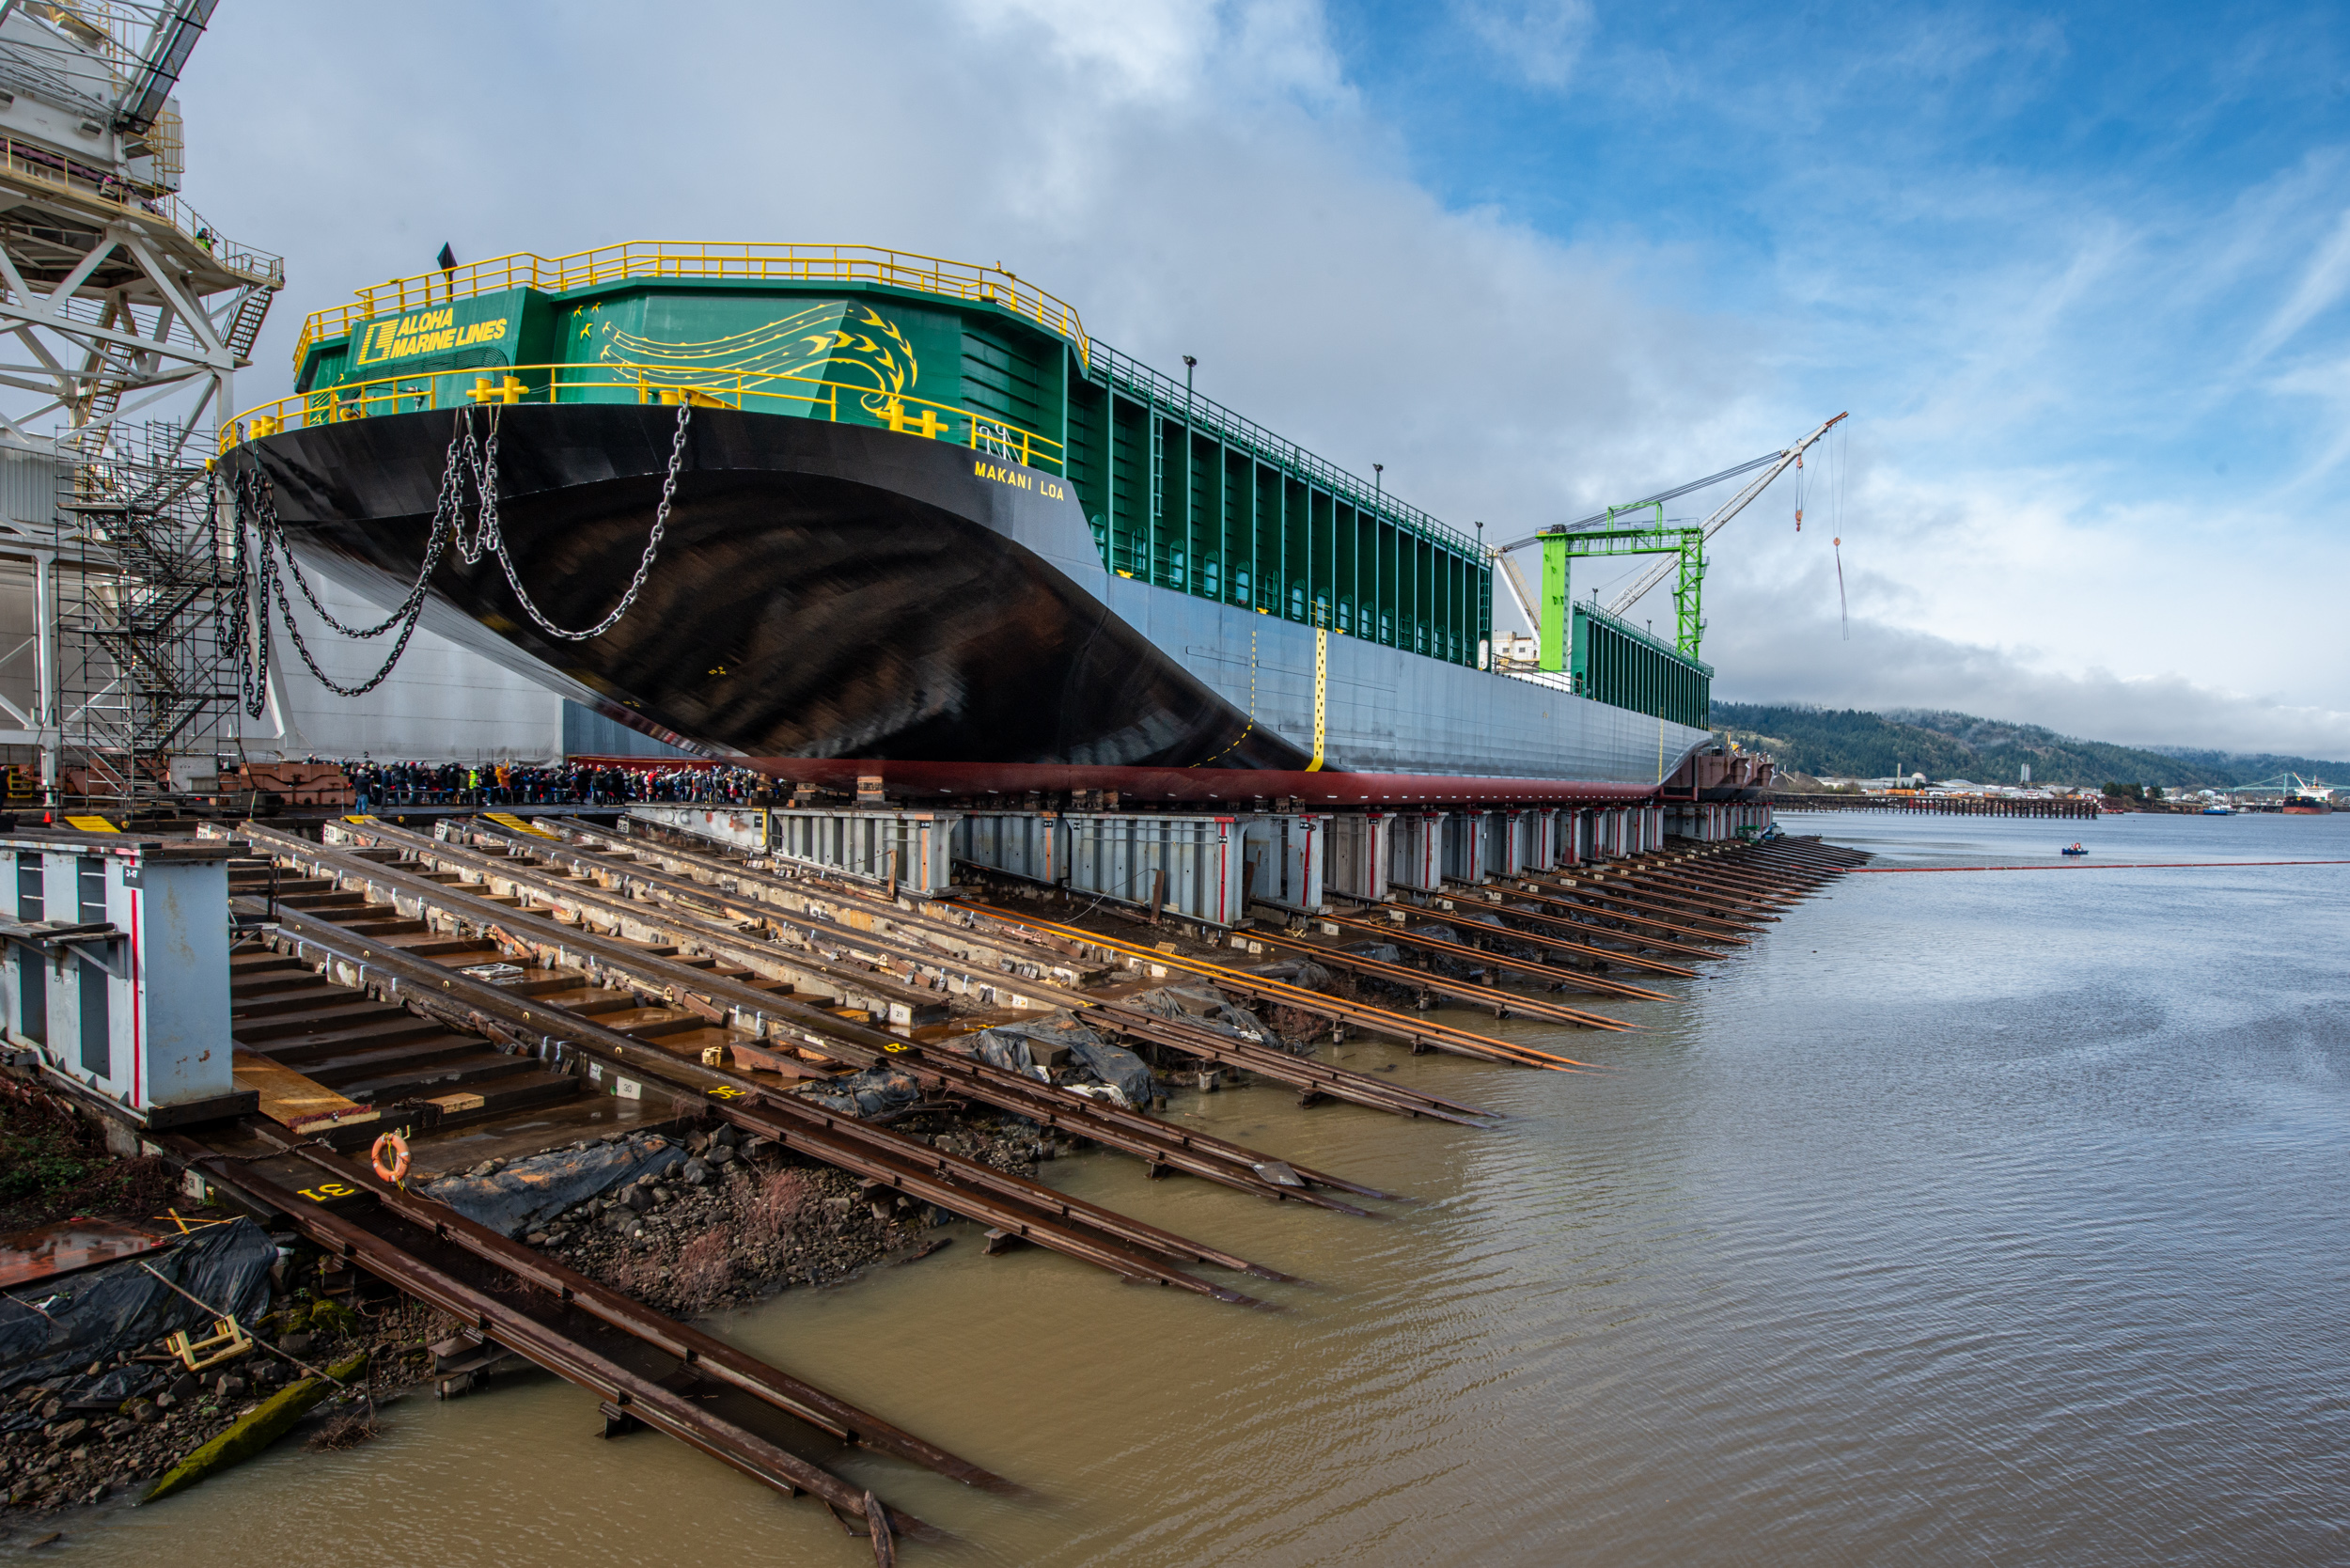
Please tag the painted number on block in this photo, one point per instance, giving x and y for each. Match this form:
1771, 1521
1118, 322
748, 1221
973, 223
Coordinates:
727, 1091
328, 1191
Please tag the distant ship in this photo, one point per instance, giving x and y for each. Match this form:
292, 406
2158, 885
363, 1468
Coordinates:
2307, 803
918, 525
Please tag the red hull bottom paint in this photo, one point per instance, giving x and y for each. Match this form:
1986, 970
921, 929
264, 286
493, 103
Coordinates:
1230, 787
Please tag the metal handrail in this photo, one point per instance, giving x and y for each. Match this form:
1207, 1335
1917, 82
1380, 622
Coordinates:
1146, 384
797, 264
812, 396
1639, 635
744, 261
32, 161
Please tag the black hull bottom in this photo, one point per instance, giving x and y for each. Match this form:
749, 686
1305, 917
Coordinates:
830, 603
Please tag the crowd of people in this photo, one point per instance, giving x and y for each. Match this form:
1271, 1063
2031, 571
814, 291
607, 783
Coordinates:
387, 784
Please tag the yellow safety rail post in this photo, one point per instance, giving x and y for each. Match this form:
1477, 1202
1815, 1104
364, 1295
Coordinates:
706, 263
417, 391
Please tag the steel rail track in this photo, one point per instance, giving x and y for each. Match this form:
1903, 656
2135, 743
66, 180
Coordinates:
1511, 908
711, 1357
1503, 1003
1395, 931
959, 1185
403, 1262
1159, 1145
1413, 1033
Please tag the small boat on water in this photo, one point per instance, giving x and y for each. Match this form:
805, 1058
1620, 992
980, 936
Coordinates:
2072, 848
2217, 810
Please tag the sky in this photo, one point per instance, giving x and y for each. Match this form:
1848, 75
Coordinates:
2078, 277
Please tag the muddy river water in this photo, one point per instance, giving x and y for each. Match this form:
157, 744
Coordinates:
1966, 1218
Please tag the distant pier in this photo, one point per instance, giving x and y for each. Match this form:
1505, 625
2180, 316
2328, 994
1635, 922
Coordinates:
1940, 806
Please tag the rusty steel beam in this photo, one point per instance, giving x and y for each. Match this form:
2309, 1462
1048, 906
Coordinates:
1503, 1003
761, 1010
541, 1343
1163, 1147
869, 926
961, 1187
1416, 1033
1513, 909
1469, 927
710, 1357
1577, 899
1313, 1080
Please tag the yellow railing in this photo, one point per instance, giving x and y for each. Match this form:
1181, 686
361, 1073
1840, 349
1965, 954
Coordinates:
807, 396
660, 259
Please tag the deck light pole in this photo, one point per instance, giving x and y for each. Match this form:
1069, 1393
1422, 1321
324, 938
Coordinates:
1190, 364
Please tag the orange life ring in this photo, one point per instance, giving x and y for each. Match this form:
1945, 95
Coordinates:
398, 1171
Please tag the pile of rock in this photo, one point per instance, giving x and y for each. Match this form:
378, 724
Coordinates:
737, 1220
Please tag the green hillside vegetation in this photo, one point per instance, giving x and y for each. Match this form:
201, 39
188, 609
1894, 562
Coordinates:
1849, 743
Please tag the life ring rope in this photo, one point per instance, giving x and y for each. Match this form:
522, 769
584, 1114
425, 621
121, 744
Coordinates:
397, 1170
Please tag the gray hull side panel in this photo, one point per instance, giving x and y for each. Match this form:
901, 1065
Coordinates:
1386, 710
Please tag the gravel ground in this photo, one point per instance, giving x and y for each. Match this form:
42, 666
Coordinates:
76, 1456
738, 1222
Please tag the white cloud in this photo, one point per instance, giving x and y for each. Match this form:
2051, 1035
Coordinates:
1540, 40
1162, 49
1803, 659
2322, 283
1202, 179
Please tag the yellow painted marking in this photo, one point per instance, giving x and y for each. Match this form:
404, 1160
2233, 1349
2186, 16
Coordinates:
91, 824
1322, 691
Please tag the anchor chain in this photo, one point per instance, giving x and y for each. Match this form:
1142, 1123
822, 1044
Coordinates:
258, 577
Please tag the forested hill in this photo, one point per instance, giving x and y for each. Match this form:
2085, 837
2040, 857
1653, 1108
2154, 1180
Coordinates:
1853, 745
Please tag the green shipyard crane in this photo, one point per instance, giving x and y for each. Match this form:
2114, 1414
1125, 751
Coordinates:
1556, 622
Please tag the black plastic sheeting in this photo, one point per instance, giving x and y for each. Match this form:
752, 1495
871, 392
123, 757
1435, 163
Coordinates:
875, 1091
122, 1307
523, 1195
1211, 1009
1122, 1070
1006, 1046
1294, 971
85, 1395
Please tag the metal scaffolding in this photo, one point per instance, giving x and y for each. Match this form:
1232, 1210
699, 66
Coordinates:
144, 680
115, 299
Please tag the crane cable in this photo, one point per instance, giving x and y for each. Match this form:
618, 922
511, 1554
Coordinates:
1836, 516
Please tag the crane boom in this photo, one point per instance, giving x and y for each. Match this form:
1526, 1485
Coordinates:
1518, 590
1607, 519
1728, 509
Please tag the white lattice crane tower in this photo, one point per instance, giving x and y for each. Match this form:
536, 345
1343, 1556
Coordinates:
124, 317
113, 293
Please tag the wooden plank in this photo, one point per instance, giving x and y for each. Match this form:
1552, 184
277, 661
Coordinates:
295, 1103
32, 1255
